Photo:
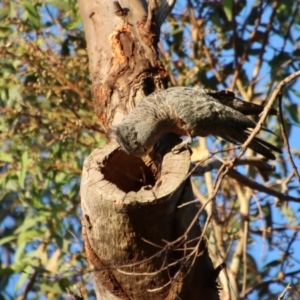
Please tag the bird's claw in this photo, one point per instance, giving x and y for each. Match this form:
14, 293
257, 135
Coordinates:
181, 147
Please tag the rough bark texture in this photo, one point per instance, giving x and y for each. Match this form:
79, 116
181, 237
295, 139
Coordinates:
131, 207
124, 64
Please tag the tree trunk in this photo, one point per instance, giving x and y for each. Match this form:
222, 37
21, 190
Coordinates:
138, 234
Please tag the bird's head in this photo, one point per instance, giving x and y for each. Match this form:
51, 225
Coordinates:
127, 138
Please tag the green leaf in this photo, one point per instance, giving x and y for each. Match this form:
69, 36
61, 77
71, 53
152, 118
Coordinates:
28, 223
7, 239
294, 111
59, 4
73, 25
53, 288
19, 256
6, 157
227, 4
273, 263
267, 209
60, 177
25, 274
32, 11
6, 271
24, 167
289, 214
4, 11
28, 235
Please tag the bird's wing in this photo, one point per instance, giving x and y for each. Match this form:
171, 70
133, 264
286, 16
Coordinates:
228, 98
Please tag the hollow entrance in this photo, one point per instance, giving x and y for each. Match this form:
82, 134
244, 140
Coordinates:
127, 172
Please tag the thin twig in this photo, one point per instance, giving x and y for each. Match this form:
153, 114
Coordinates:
29, 285
259, 187
212, 164
201, 167
284, 136
265, 112
206, 50
245, 238
265, 40
244, 57
288, 250
284, 292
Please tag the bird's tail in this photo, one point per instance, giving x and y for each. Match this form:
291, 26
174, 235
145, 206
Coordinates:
257, 144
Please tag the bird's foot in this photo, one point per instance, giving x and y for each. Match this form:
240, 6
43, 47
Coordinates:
183, 146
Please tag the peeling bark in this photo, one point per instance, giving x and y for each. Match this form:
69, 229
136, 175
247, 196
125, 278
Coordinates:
124, 64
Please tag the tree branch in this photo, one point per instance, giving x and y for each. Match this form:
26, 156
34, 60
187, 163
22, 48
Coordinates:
213, 164
284, 136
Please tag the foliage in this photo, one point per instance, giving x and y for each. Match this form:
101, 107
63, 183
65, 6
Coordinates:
48, 127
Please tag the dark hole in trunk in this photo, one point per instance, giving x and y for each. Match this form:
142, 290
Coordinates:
127, 172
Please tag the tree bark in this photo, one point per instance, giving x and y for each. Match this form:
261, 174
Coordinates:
137, 232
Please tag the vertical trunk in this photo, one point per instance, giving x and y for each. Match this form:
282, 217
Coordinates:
133, 218
122, 50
